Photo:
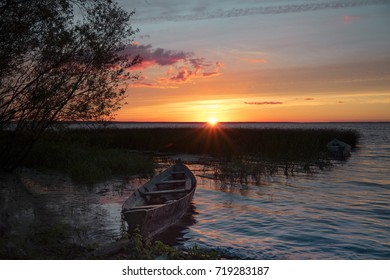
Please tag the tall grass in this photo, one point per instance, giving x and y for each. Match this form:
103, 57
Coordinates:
96, 154
269, 143
86, 163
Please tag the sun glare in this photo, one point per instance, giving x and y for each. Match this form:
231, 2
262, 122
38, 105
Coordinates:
213, 121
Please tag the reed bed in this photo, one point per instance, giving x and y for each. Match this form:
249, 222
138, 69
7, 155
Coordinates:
269, 143
96, 154
87, 163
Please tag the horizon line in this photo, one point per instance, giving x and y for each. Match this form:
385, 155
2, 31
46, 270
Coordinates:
227, 121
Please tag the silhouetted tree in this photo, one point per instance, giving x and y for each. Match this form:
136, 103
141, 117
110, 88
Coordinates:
59, 61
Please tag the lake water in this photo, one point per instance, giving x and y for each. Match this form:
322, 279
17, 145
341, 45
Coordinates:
341, 213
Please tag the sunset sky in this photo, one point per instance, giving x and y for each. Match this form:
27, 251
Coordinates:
265, 60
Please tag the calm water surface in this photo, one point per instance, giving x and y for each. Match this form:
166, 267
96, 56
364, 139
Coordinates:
342, 213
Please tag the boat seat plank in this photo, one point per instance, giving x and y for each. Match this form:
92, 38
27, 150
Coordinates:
165, 192
178, 173
140, 207
171, 182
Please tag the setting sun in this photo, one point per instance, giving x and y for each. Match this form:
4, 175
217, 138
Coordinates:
213, 121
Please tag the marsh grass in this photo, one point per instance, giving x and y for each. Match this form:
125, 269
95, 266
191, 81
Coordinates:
272, 143
91, 155
240, 155
85, 162
243, 155
243, 171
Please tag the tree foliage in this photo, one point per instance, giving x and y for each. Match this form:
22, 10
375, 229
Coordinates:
59, 61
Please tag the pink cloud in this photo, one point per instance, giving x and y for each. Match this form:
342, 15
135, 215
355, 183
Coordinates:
183, 75
186, 74
184, 67
152, 56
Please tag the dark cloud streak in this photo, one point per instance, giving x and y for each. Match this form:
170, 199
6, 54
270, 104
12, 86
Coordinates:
269, 10
264, 103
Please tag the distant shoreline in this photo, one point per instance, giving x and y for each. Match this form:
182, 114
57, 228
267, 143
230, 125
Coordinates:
151, 124
134, 124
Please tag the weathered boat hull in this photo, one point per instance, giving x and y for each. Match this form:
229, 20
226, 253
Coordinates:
154, 218
338, 149
154, 221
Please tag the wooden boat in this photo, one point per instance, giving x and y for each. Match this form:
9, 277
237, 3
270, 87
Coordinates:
339, 149
161, 202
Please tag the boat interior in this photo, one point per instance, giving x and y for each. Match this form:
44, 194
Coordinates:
170, 188
164, 191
